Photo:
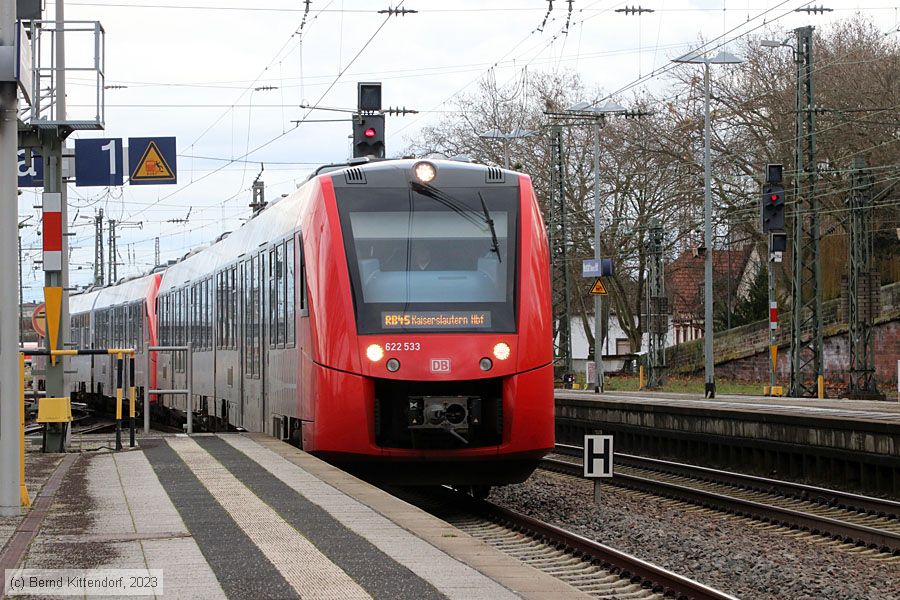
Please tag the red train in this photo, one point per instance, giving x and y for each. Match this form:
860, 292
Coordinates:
393, 316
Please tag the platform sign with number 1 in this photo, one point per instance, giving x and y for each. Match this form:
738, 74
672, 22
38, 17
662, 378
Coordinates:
99, 162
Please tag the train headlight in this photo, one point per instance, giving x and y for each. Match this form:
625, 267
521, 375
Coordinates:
375, 352
501, 351
425, 172
393, 365
485, 364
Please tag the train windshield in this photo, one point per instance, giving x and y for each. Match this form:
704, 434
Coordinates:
429, 260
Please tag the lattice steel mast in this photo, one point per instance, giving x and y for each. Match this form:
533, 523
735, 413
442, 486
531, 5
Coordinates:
862, 285
806, 289
559, 253
98, 248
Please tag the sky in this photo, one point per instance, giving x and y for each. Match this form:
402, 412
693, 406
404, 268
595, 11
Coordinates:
229, 79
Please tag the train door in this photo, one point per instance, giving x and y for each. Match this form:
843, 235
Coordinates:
263, 339
252, 329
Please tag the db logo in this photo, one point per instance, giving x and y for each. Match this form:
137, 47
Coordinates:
440, 365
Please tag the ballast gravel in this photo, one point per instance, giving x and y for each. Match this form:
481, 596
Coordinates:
744, 558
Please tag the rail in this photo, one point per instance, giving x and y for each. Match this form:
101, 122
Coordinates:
810, 493
846, 527
590, 552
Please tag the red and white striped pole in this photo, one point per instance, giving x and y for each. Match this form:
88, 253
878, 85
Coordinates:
52, 231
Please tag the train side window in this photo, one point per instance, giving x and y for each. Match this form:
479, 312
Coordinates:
304, 300
210, 314
202, 316
167, 307
164, 334
160, 320
210, 298
228, 312
273, 298
246, 319
259, 273
280, 277
218, 314
196, 316
289, 288
204, 287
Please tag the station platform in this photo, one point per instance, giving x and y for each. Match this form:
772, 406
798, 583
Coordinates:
817, 440
856, 410
247, 516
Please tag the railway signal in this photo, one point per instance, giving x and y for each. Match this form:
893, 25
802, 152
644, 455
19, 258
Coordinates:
772, 221
772, 208
368, 136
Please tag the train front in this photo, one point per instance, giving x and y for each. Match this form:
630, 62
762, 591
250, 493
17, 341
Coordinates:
447, 349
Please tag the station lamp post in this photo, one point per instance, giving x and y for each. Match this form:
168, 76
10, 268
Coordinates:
722, 58
496, 134
597, 114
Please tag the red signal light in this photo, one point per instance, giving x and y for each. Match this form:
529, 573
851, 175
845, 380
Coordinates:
370, 132
773, 197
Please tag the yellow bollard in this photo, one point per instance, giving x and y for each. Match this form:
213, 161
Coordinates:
821, 382
119, 401
131, 398
23, 490
641, 377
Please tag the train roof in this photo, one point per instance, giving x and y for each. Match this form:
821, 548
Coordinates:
83, 302
282, 217
450, 173
275, 222
123, 292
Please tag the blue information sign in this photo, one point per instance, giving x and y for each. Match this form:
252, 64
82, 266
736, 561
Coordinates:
596, 267
98, 161
152, 161
32, 176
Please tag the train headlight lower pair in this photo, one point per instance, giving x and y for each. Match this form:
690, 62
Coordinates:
501, 352
375, 353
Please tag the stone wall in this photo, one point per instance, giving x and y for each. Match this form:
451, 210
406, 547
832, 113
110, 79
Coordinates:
742, 353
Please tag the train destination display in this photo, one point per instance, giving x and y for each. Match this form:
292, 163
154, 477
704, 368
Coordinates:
435, 319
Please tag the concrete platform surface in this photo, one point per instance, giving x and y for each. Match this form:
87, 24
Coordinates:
834, 408
246, 516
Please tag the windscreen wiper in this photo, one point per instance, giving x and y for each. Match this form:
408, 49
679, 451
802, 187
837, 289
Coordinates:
458, 207
495, 247
429, 191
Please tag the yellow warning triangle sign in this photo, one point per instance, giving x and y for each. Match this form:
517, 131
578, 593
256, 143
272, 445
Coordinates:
152, 166
598, 288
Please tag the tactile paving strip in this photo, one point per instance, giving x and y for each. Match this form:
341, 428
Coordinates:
307, 570
445, 573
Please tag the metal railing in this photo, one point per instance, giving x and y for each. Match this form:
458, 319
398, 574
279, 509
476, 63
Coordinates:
120, 355
186, 391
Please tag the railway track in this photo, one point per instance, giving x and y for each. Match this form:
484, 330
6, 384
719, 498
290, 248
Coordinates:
849, 518
591, 567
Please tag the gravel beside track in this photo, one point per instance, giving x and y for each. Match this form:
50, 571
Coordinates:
744, 558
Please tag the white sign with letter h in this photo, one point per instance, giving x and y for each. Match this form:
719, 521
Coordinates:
598, 456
